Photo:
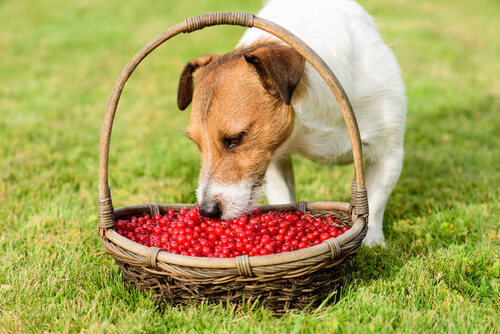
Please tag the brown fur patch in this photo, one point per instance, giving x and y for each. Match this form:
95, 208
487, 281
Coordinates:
234, 96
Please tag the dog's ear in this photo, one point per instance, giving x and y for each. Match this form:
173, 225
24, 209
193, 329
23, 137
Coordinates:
185, 90
279, 67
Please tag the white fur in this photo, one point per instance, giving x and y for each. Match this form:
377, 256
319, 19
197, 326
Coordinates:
242, 195
346, 37
280, 186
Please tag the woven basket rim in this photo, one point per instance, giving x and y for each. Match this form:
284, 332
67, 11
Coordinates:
254, 261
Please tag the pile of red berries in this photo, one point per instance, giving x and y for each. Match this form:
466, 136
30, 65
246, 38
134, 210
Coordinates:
189, 233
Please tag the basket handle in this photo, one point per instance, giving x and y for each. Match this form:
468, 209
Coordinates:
192, 24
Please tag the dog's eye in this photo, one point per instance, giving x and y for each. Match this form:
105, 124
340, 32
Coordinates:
232, 142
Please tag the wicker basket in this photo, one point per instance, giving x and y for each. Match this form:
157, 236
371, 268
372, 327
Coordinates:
281, 282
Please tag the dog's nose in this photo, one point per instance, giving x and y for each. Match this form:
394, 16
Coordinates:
210, 210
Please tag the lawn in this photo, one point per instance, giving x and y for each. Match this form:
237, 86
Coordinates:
440, 271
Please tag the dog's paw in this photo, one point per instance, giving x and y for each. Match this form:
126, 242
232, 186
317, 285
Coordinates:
372, 240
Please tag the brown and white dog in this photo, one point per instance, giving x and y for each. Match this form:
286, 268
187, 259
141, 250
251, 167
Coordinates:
254, 107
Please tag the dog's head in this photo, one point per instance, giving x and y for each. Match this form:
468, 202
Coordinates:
241, 113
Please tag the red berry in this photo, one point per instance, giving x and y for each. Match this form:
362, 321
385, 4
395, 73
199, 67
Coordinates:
193, 215
218, 231
344, 229
181, 239
242, 221
265, 239
206, 250
324, 236
248, 247
334, 232
174, 244
240, 246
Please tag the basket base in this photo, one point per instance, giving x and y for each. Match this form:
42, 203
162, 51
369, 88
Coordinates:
278, 295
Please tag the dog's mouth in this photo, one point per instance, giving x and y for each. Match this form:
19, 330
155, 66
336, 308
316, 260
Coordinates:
234, 209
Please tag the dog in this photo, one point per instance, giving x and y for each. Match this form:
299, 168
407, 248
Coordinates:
257, 105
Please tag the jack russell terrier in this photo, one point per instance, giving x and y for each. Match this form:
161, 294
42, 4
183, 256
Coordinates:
254, 107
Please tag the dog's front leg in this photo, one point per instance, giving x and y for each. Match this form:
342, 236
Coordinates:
279, 185
381, 177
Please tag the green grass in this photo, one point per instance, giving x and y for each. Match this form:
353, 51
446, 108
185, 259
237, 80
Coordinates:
58, 62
